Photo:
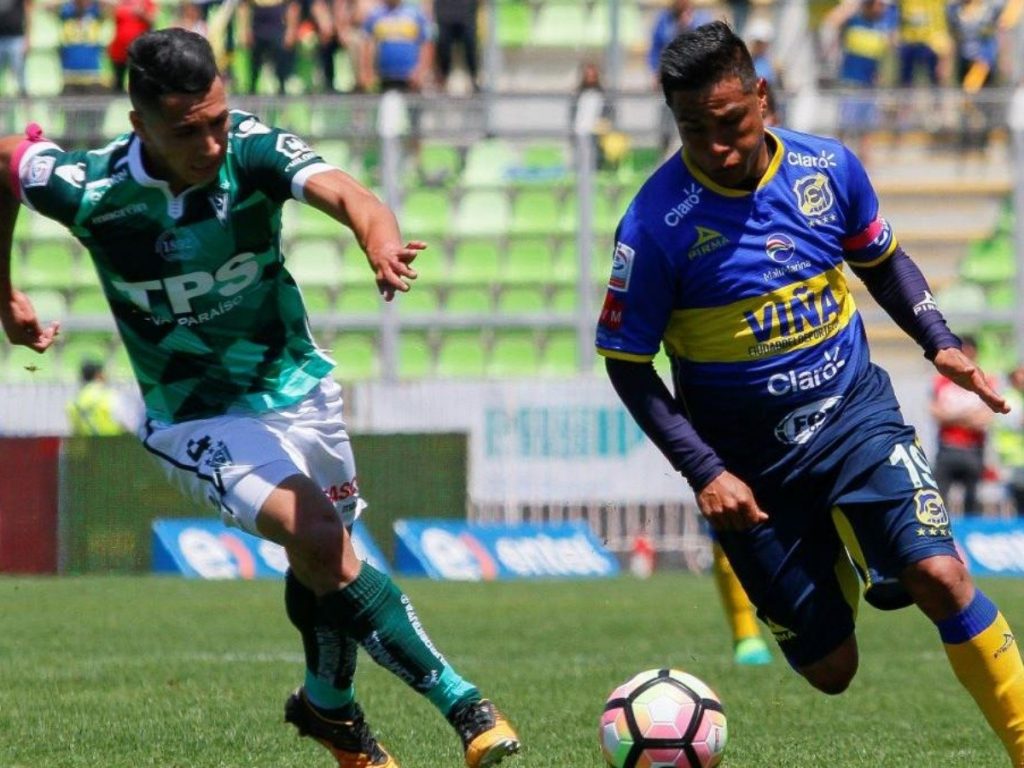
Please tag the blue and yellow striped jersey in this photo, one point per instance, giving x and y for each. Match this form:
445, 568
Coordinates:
746, 289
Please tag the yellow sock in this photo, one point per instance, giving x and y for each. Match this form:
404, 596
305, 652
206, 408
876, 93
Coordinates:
985, 657
739, 611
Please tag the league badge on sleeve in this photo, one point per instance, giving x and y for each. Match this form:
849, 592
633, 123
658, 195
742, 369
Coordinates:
622, 267
37, 172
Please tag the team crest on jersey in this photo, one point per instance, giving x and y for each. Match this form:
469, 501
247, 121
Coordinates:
799, 426
37, 172
814, 195
176, 245
780, 248
291, 146
622, 267
708, 240
72, 174
930, 510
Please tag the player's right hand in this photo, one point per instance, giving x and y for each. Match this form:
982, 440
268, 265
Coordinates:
728, 504
21, 324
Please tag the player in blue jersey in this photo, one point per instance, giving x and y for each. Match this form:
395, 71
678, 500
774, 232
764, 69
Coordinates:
182, 219
732, 256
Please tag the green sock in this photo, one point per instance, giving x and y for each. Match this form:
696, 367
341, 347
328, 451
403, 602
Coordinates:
376, 613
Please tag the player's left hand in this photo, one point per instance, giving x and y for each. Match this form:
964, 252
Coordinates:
391, 267
21, 324
961, 370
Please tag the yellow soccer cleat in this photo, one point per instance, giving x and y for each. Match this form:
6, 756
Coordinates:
486, 735
349, 741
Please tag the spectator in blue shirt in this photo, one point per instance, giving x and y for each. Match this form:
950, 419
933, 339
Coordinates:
397, 53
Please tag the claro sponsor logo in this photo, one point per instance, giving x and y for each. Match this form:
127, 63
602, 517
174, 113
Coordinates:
808, 378
680, 210
822, 161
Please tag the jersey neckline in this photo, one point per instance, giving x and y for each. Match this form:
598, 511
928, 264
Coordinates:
704, 180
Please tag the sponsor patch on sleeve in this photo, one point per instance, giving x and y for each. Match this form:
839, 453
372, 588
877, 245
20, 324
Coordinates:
622, 267
37, 171
611, 312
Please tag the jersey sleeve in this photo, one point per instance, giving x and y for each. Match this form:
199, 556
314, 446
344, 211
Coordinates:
51, 181
277, 162
868, 240
638, 303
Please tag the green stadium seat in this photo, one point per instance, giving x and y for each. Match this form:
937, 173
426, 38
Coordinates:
529, 260
49, 305
317, 299
536, 212
488, 163
521, 301
563, 299
88, 301
426, 214
81, 346
311, 222
115, 117
1002, 296
513, 22
21, 364
51, 264
440, 164
996, 352
359, 300
965, 297
598, 30
482, 213
415, 357
469, 300
315, 262
561, 25
422, 299
355, 269
514, 353
118, 366
546, 155
476, 261
559, 356
566, 263
990, 261
356, 354
338, 153
461, 355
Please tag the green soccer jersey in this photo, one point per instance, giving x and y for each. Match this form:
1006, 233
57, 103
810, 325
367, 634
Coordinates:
210, 318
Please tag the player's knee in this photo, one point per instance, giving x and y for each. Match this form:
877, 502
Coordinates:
939, 585
834, 673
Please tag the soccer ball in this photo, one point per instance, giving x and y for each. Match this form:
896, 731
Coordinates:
663, 718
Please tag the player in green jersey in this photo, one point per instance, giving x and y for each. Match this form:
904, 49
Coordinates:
182, 219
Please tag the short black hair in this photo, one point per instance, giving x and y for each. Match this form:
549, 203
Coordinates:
700, 57
90, 370
167, 61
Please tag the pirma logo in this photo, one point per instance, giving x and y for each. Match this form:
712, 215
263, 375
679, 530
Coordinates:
780, 248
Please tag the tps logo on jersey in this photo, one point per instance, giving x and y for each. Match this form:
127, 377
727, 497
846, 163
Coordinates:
799, 426
72, 174
622, 267
708, 240
814, 195
37, 172
678, 212
611, 312
780, 248
931, 512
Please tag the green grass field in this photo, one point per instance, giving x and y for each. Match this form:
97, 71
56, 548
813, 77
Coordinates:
130, 672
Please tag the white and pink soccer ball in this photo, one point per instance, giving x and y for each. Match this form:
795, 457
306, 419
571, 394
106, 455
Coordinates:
663, 718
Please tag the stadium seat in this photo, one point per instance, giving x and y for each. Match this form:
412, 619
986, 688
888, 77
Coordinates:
51, 264
990, 261
476, 261
422, 299
338, 153
561, 26
966, 297
482, 213
87, 301
559, 355
43, 76
118, 366
514, 354
462, 354
1002, 296
311, 222
315, 262
81, 346
546, 155
439, 163
488, 163
529, 260
356, 354
415, 357
359, 299
49, 305
513, 23
317, 299
536, 212
468, 300
21, 364
115, 117
355, 269
563, 299
426, 214
997, 354
523, 300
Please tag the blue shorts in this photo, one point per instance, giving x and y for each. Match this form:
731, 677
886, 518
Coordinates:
869, 508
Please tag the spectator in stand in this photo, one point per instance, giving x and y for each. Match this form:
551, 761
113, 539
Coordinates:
680, 16
397, 53
81, 60
193, 18
131, 19
457, 25
323, 17
759, 35
963, 423
98, 410
15, 23
924, 44
270, 31
974, 26
861, 33
1009, 439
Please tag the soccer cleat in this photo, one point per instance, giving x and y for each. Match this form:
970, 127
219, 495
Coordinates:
486, 735
350, 741
752, 651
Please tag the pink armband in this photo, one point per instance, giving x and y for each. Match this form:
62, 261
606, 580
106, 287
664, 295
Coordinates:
33, 133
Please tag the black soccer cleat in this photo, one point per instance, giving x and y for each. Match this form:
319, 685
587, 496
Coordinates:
349, 741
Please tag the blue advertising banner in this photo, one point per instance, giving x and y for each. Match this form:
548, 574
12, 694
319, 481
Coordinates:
445, 549
991, 547
208, 549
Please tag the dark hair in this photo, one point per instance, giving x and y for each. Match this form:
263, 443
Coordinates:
701, 57
90, 370
168, 61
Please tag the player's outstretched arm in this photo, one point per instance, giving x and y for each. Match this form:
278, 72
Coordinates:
339, 195
961, 370
18, 317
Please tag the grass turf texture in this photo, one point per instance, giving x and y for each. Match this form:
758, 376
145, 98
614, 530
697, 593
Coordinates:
128, 672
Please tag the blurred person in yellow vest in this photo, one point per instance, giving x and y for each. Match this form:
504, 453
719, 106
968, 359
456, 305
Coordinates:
98, 409
1009, 440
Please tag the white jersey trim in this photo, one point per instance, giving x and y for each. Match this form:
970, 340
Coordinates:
33, 149
299, 179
